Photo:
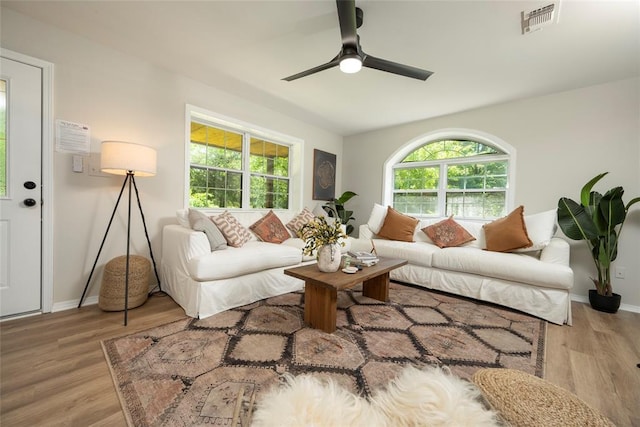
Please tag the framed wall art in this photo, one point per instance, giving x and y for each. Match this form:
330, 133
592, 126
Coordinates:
324, 175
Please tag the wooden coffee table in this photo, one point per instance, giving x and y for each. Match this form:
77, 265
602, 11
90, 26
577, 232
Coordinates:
321, 289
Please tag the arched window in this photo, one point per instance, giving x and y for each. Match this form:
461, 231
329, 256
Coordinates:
452, 172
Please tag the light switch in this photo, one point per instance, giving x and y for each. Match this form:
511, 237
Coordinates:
77, 164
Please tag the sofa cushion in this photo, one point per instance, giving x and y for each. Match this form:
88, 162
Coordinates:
398, 226
200, 222
507, 233
252, 257
299, 221
418, 253
235, 233
521, 268
269, 228
448, 233
376, 219
540, 227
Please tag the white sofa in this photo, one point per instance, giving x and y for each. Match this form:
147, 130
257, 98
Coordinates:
537, 282
205, 282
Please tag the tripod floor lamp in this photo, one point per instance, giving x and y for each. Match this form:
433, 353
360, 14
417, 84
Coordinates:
130, 160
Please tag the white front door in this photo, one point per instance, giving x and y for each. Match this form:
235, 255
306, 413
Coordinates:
20, 187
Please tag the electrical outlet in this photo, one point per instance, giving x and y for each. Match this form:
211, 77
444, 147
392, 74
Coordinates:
620, 271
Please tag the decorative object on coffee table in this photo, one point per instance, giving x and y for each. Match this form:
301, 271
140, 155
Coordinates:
129, 159
113, 283
324, 239
335, 209
598, 220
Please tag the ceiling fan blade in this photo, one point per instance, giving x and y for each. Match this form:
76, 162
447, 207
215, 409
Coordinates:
395, 68
334, 62
347, 19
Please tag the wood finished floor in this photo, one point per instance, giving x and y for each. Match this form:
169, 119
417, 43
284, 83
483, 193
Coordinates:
53, 371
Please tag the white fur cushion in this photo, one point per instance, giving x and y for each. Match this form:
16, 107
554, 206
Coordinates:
429, 397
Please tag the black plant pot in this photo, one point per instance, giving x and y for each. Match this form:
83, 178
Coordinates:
604, 303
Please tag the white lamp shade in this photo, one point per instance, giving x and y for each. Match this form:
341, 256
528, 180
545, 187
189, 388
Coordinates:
350, 64
119, 157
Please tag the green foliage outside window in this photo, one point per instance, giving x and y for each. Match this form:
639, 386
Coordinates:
217, 173
456, 172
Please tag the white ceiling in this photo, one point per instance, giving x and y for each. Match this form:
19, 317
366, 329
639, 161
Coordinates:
475, 49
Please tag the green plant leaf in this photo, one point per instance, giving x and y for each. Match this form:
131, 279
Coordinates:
586, 190
611, 209
345, 197
633, 201
574, 221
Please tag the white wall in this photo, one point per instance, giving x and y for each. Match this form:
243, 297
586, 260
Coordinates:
562, 141
123, 98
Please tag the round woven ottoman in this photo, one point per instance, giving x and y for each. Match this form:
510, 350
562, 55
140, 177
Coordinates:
113, 283
525, 400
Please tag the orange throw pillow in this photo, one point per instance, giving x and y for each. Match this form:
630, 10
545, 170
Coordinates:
269, 228
398, 226
508, 233
448, 233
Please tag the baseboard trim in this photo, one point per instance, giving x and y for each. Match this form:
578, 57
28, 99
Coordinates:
624, 307
66, 305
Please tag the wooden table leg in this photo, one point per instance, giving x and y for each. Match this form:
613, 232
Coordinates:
377, 287
320, 305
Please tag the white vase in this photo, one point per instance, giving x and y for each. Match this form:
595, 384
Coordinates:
329, 258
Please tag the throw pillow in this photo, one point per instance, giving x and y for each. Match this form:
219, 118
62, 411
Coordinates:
235, 233
200, 222
376, 218
398, 226
540, 227
508, 233
269, 228
299, 221
448, 233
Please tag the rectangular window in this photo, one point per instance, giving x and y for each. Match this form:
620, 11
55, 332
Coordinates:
269, 165
416, 190
235, 166
476, 189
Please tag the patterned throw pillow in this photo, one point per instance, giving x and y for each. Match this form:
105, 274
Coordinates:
398, 226
508, 233
269, 228
448, 233
299, 221
235, 233
200, 222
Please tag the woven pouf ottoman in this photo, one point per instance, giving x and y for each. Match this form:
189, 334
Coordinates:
525, 400
113, 283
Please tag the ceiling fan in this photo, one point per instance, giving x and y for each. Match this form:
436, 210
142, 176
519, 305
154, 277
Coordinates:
351, 57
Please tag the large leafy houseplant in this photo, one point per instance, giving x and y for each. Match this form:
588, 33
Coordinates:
335, 208
598, 220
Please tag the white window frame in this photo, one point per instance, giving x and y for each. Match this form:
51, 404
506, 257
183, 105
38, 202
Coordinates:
452, 134
296, 148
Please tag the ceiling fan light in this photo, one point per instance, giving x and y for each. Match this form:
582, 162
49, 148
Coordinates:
350, 64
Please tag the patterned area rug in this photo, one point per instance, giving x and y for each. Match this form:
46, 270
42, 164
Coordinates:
212, 371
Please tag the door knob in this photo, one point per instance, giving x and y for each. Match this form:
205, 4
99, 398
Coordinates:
29, 202
29, 185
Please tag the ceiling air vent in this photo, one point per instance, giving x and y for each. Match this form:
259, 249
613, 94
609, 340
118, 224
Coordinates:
537, 19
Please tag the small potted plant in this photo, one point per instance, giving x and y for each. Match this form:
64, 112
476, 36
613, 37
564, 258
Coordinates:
335, 209
324, 238
598, 220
